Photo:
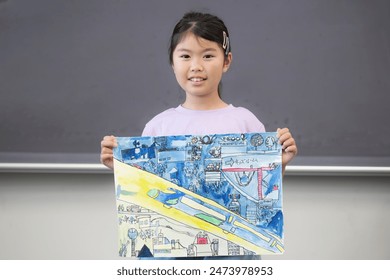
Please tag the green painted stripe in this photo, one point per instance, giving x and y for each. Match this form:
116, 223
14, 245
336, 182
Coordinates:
210, 219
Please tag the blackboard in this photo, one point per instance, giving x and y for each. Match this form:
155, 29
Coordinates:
74, 71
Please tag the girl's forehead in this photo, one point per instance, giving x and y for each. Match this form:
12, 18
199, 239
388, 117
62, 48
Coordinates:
190, 40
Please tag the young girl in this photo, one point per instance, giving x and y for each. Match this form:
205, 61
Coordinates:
199, 54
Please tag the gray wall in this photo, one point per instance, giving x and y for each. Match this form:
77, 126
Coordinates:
73, 216
74, 71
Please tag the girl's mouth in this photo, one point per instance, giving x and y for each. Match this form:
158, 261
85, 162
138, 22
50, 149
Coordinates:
197, 79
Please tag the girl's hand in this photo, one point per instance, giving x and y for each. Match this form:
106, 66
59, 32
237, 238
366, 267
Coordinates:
106, 154
289, 146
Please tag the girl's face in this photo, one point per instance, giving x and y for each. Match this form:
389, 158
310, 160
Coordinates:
198, 65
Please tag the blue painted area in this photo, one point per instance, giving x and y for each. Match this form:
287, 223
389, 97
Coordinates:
276, 224
275, 179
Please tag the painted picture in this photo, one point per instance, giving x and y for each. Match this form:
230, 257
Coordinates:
199, 195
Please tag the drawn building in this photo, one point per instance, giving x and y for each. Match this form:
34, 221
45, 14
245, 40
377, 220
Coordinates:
202, 245
162, 247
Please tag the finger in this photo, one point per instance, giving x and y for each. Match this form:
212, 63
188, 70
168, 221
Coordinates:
106, 150
109, 143
284, 137
281, 131
109, 138
288, 142
106, 158
292, 149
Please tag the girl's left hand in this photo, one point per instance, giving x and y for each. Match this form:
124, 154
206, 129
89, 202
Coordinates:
289, 146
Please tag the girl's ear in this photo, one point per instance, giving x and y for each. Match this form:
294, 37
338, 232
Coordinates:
228, 62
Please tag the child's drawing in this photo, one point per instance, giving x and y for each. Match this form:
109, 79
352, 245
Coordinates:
194, 196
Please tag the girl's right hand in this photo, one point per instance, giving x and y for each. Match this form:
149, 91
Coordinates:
106, 154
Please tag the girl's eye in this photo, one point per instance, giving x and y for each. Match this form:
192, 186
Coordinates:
208, 56
185, 56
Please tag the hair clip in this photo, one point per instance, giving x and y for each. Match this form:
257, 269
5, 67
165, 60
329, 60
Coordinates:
226, 43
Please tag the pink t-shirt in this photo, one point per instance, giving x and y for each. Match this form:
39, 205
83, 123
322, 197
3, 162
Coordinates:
182, 121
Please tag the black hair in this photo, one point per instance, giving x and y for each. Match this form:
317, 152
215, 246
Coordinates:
202, 25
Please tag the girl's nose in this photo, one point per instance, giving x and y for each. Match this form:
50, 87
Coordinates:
196, 66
